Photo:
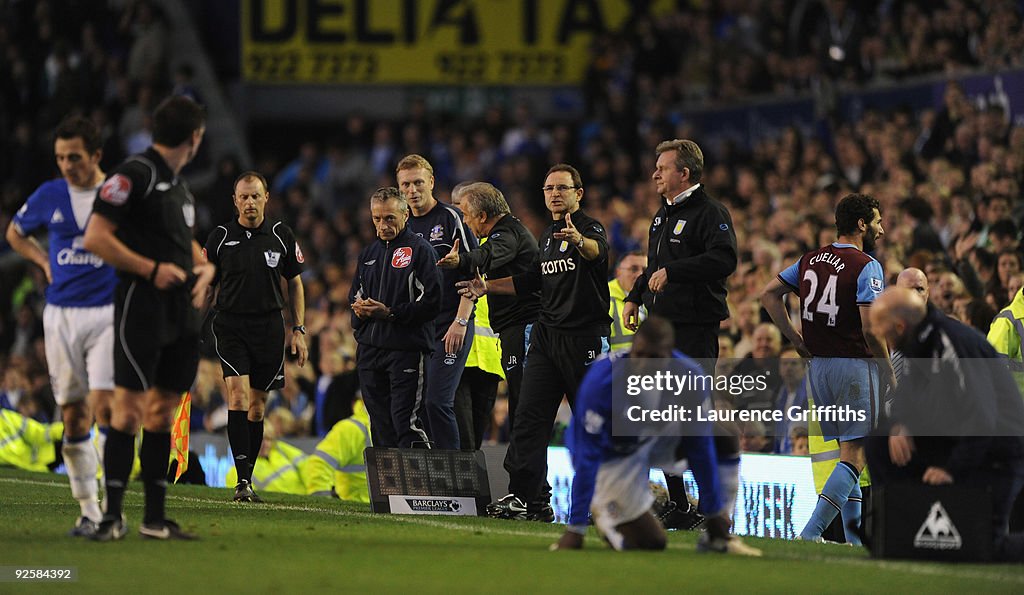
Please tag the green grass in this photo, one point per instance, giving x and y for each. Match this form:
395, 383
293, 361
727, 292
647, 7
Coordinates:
298, 544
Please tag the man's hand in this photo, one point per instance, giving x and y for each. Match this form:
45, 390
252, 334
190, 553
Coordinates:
936, 476
568, 541
455, 337
473, 289
299, 348
204, 273
658, 281
170, 275
569, 232
451, 260
901, 446
631, 316
370, 308
802, 349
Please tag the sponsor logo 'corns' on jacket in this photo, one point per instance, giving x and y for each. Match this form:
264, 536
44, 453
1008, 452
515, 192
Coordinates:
402, 274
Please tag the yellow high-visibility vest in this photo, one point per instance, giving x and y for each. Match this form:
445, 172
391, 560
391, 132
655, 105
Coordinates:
338, 461
26, 443
280, 471
620, 337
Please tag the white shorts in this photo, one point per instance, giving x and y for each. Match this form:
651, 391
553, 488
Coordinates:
622, 493
79, 350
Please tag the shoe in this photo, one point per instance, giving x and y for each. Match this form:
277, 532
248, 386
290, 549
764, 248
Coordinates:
110, 529
731, 545
84, 527
254, 497
243, 492
685, 517
540, 511
508, 507
164, 529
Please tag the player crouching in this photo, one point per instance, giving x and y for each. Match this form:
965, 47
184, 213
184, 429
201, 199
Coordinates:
612, 471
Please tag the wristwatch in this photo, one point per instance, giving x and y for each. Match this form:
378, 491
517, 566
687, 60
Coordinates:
462, 321
579, 244
300, 328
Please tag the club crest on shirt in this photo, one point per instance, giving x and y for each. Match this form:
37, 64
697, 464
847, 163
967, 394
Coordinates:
679, 227
436, 232
116, 189
401, 258
563, 246
272, 258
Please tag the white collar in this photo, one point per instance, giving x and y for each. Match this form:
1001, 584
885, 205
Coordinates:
684, 194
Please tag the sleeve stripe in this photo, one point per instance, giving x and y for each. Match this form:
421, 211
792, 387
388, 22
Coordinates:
222, 239
787, 283
459, 231
274, 230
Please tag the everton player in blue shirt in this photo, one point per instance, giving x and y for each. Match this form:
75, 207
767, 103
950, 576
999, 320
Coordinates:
79, 317
611, 471
837, 284
441, 225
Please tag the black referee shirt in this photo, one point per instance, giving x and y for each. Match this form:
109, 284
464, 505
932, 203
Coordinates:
153, 209
574, 295
250, 265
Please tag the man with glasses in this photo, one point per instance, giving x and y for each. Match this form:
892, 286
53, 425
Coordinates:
572, 330
631, 265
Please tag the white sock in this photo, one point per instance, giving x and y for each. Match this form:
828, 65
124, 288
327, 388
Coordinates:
100, 440
82, 463
729, 479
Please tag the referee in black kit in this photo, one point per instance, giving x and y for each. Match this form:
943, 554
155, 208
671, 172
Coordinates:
572, 331
252, 255
142, 224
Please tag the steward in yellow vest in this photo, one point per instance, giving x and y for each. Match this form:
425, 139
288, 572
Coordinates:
626, 272
337, 467
26, 443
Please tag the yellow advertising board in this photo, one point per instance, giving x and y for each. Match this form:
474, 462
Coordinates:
490, 42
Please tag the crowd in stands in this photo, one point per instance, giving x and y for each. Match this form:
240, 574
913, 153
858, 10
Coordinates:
948, 178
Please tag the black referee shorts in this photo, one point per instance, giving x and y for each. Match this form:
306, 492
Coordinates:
157, 338
251, 345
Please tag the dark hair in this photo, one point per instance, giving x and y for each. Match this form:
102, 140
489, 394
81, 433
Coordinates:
247, 175
851, 209
577, 181
1005, 228
79, 127
918, 208
980, 314
986, 260
626, 255
175, 119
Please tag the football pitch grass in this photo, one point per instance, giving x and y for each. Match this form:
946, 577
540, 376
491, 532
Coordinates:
295, 544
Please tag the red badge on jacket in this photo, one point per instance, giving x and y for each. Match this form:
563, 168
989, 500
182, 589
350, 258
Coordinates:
401, 258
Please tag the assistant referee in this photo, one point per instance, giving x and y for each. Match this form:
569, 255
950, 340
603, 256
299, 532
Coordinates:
252, 255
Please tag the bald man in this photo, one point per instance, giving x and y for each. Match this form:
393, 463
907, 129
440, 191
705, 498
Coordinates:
914, 279
955, 418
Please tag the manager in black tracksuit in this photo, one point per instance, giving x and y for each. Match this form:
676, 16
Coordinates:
691, 252
571, 273
395, 296
252, 256
510, 249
